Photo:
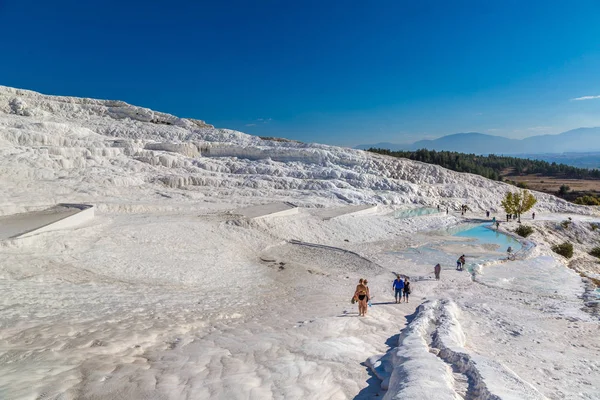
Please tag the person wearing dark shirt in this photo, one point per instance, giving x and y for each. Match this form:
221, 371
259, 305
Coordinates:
406, 289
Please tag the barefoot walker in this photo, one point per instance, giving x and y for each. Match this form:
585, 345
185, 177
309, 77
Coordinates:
397, 287
406, 289
361, 295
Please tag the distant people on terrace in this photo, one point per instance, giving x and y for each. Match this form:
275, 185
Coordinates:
437, 269
460, 263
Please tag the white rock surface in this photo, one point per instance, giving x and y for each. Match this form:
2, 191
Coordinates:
168, 294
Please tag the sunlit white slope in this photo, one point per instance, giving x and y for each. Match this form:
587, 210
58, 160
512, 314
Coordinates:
98, 148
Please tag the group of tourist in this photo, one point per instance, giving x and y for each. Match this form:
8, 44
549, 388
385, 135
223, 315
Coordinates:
401, 285
401, 288
515, 217
362, 295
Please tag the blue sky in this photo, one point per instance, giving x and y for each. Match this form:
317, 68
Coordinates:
339, 72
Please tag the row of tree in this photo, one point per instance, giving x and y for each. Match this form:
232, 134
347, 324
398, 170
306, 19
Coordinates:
491, 166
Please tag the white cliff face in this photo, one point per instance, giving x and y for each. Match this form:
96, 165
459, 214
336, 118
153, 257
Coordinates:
51, 137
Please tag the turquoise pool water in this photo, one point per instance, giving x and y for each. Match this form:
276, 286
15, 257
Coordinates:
415, 212
486, 235
438, 252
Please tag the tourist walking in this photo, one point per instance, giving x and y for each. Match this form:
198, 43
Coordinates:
437, 269
533, 215
366, 282
397, 287
406, 289
361, 296
460, 263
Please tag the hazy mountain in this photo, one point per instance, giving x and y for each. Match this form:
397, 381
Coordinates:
577, 141
468, 143
574, 141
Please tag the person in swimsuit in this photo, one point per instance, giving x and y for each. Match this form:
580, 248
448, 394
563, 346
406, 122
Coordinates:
361, 296
406, 289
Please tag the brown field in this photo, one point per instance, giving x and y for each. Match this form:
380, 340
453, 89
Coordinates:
551, 184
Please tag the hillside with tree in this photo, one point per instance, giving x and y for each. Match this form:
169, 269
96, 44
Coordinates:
511, 170
492, 166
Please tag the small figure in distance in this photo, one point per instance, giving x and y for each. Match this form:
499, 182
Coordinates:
397, 287
533, 215
447, 210
497, 225
360, 295
460, 263
438, 207
487, 213
509, 250
406, 289
437, 269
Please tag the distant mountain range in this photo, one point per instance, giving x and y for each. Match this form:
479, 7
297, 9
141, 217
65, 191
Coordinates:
575, 141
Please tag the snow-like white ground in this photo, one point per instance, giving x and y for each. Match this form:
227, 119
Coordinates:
171, 294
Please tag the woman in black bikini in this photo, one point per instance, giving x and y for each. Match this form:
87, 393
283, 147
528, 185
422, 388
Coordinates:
361, 295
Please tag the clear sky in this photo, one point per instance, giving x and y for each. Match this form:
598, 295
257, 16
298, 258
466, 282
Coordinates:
340, 72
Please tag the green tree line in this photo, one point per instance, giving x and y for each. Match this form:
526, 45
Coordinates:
492, 166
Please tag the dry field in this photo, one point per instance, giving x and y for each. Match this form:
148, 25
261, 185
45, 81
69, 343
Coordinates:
551, 184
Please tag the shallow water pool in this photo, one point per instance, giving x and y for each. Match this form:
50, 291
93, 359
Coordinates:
415, 212
485, 235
